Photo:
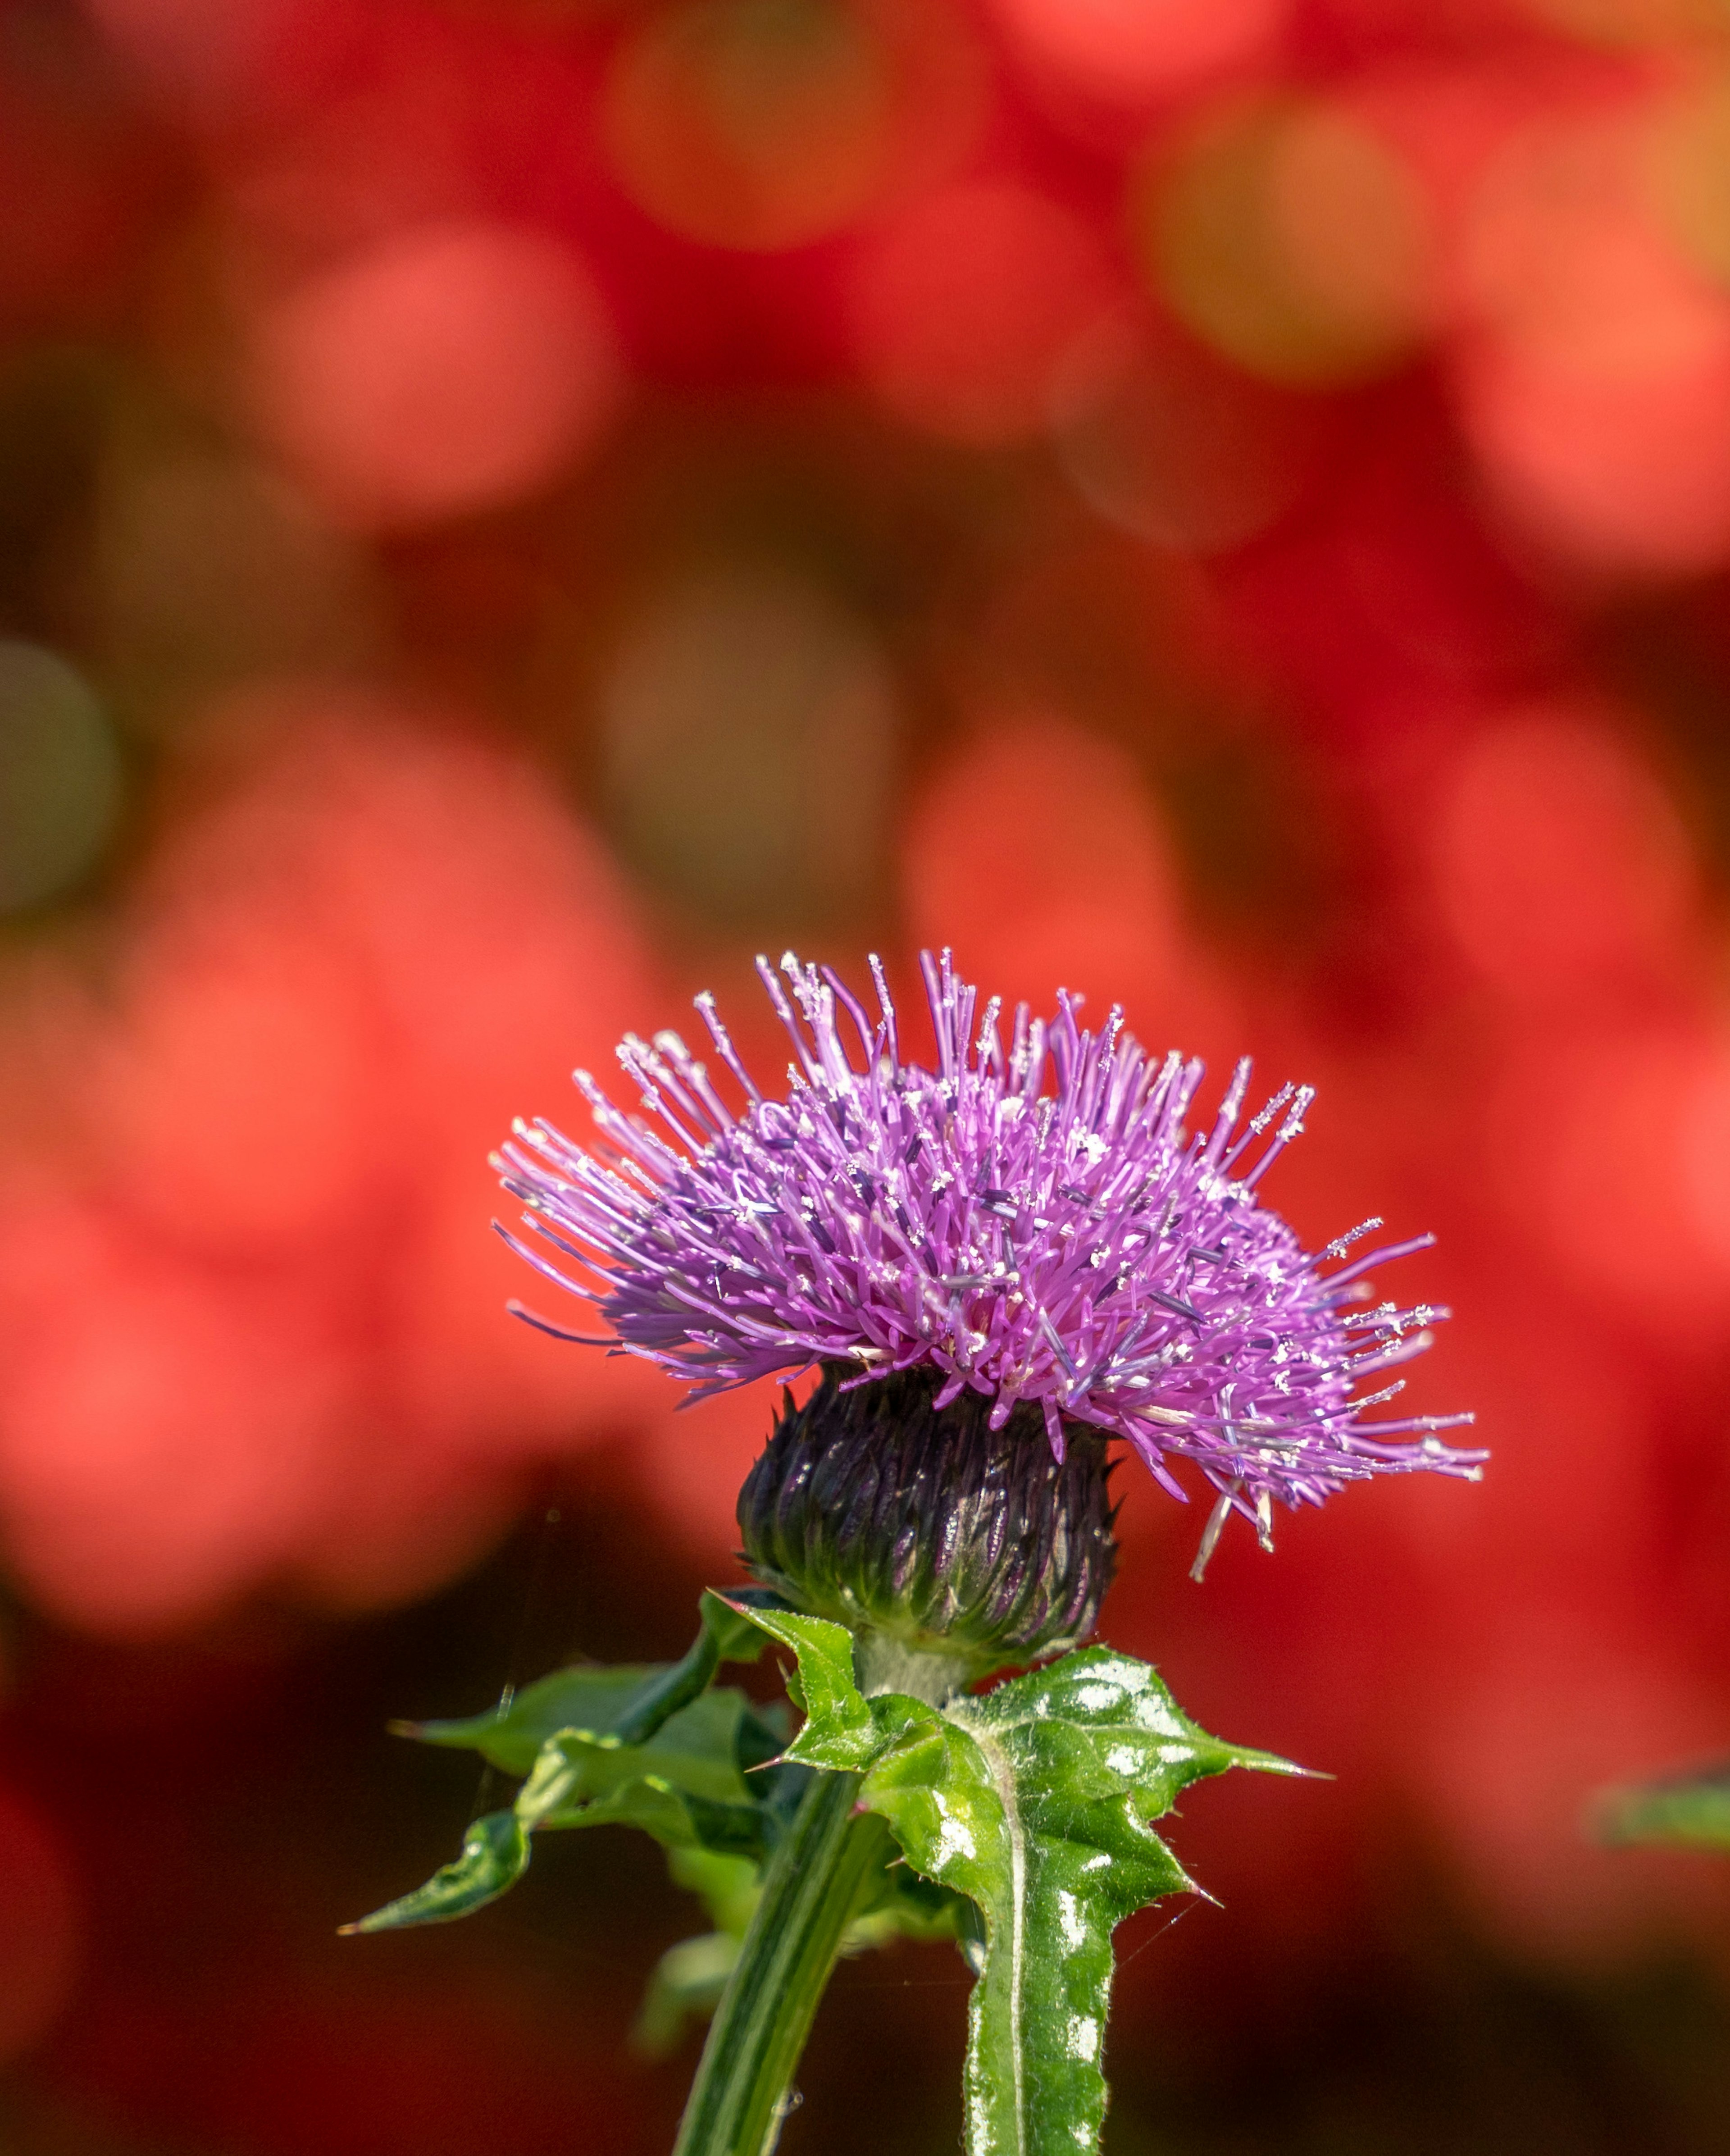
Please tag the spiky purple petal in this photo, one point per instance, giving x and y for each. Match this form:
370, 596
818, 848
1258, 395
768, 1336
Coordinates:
1032, 1221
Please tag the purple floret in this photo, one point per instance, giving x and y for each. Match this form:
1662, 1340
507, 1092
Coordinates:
1034, 1223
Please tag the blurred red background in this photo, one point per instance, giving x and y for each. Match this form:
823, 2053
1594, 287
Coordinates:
509, 506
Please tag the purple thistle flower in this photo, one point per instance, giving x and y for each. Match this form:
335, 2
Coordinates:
1034, 1224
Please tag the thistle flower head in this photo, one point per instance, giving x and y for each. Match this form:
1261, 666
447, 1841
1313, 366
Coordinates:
1031, 1221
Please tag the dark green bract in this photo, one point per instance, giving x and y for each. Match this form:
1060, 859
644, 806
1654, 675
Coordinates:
872, 1505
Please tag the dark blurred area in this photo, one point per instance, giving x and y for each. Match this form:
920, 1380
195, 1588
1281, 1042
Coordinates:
508, 507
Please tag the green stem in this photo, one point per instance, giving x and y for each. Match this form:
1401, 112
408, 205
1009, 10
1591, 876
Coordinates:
810, 1891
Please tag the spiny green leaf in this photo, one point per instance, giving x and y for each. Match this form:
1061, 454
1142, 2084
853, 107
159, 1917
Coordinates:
737, 1636
628, 1703
649, 1746
1690, 1811
684, 1787
495, 1855
1081, 1756
1034, 1801
826, 1687
511, 1735
694, 1799
696, 1749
